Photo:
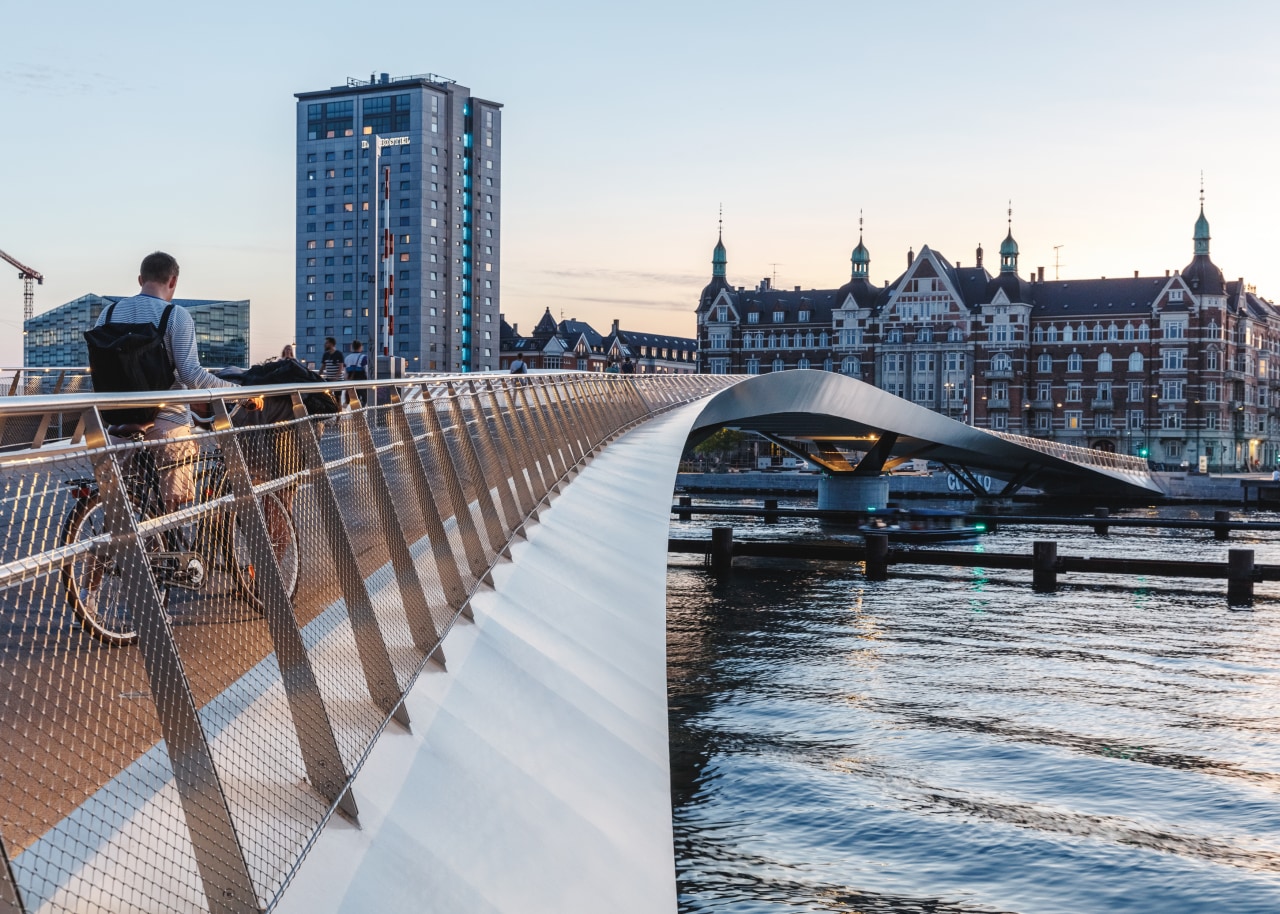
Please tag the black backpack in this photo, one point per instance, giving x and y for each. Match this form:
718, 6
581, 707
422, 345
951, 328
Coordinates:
285, 371
130, 357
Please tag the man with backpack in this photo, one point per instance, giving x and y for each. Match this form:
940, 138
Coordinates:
154, 348
357, 367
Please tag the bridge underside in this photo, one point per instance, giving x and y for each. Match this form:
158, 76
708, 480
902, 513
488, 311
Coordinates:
824, 417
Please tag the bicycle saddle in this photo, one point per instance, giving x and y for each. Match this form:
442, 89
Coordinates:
130, 430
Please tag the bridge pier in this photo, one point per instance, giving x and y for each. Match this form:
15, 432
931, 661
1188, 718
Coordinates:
853, 493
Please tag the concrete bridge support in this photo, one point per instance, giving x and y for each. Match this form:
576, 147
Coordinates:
536, 778
853, 492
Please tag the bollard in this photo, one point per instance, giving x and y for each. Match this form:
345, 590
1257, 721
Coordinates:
721, 549
1044, 569
770, 509
686, 501
1240, 577
877, 556
1222, 517
1101, 529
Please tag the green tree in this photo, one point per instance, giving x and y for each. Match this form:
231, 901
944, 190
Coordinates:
721, 445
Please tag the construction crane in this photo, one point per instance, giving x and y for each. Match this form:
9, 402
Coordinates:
26, 274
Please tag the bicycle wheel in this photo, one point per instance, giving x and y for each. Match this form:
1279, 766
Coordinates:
98, 589
284, 544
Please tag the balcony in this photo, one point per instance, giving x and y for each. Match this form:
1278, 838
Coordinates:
998, 374
1040, 404
1100, 403
998, 403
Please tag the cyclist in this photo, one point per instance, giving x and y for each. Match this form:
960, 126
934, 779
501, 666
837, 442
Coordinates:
157, 281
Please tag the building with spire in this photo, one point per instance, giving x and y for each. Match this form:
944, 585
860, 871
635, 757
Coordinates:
1180, 368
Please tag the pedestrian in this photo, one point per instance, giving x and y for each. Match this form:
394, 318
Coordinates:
518, 366
357, 368
287, 351
613, 368
157, 281
331, 361
628, 366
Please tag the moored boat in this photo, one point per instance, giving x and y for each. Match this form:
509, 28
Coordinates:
921, 525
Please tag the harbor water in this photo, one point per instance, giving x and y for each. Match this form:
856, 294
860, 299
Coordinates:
950, 741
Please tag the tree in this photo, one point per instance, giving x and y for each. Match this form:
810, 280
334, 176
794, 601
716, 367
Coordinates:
721, 444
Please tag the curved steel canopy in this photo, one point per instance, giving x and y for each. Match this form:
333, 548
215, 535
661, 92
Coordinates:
818, 407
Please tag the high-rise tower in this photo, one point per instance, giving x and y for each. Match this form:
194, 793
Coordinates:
422, 156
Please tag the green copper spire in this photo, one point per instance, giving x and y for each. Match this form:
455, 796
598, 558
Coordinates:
1009, 248
1201, 236
861, 258
719, 258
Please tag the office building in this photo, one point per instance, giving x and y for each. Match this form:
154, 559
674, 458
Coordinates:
441, 149
1181, 368
56, 337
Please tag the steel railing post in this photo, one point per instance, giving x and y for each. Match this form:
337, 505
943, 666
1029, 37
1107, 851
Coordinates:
455, 592
555, 410
413, 597
548, 445
311, 721
218, 852
380, 677
447, 469
511, 453
524, 440
485, 427
475, 469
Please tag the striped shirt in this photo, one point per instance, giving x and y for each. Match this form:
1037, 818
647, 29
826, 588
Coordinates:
179, 336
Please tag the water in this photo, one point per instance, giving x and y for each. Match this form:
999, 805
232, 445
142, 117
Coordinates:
950, 741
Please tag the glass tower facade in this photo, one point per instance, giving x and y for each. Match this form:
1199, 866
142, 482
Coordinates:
422, 156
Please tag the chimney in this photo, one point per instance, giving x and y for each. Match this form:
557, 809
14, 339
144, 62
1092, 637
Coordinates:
1039, 274
911, 256
979, 257
1135, 274
797, 288
1166, 273
615, 326
386, 78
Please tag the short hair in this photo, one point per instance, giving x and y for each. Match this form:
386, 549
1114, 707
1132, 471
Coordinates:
357, 345
329, 339
158, 267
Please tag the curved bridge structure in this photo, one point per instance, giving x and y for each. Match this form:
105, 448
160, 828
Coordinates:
445, 691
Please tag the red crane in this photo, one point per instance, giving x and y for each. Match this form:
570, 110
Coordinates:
26, 274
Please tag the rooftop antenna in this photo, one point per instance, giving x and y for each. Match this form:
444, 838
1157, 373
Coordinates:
1056, 262
775, 274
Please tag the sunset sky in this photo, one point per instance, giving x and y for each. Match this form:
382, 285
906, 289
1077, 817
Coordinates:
139, 126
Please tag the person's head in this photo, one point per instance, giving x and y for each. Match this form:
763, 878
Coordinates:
158, 275
287, 351
330, 343
357, 346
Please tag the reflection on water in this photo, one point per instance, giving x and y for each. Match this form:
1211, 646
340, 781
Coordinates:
949, 741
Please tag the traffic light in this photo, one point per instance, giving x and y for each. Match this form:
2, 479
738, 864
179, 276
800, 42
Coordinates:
1143, 452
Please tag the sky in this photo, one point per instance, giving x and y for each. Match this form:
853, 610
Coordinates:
139, 126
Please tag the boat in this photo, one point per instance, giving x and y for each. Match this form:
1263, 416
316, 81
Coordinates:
921, 525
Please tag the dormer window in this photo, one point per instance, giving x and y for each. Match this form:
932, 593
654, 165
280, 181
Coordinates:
753, 317
804, 316
1175, 295
779, 317
722, 313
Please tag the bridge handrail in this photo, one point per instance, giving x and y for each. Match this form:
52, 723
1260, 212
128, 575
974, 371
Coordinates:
197, 765
1080, 455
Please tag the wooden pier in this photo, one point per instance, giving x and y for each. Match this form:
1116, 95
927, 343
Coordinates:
1239, 571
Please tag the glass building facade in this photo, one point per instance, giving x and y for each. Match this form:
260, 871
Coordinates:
56, 337
425, 153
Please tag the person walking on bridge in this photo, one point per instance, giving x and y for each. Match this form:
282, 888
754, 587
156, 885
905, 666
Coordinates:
158, 280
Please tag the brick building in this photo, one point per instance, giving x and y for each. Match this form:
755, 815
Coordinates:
1174, 367
576, 345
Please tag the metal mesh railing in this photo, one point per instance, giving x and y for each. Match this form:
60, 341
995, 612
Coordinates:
204, 636
1083, 456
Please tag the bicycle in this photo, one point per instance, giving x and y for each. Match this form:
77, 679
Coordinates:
182, 557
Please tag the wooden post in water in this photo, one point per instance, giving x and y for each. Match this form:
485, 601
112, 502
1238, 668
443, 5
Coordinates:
1102, 514
685, 502
1221, 533
877, 556
1044, 572
721, 549
1240, 577
770, 505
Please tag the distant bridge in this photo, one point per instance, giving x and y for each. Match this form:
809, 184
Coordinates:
407, 657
